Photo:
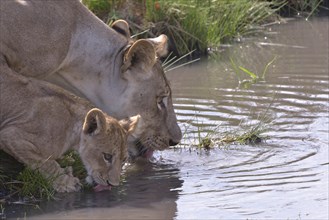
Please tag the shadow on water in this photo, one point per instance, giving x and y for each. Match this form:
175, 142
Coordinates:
284, 177
148, 192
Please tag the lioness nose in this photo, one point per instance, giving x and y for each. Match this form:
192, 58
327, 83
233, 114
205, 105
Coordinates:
172, 143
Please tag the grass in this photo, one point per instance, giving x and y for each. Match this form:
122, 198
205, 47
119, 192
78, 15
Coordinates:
253, 77
218, 136
31, 184
2, 176
244, 135
104, 9
302, 7
2, 212
199, 24
202, 24
170, 61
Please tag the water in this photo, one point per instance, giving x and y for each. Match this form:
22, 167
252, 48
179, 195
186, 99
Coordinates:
284, 177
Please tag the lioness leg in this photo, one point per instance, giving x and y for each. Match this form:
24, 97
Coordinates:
27, 153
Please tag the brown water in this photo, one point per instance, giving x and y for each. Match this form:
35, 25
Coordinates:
285, 177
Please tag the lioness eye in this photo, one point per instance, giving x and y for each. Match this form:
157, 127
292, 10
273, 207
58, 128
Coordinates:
163, 102
107, 157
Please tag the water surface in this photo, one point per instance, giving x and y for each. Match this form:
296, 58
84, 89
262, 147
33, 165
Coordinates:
284, 177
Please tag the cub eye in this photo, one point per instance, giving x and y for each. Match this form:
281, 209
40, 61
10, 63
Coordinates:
107, 157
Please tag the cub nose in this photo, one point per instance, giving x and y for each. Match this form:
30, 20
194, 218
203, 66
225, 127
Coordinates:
172, 143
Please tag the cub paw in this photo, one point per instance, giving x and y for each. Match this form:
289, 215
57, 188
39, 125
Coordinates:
67, 183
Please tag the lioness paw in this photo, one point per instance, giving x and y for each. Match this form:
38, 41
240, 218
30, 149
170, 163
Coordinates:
67, 183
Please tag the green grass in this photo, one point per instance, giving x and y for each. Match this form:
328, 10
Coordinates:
246, 133
243, 135
302, 7
102, 8
252, 77
202, 24
31, 184
34, 185
199, 24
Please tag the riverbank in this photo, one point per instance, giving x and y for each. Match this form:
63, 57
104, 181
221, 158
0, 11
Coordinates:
200, 25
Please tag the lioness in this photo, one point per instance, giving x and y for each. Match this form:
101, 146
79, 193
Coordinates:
64, 43
39, 122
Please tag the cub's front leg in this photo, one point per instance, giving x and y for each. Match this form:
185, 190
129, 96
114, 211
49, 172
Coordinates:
30, 154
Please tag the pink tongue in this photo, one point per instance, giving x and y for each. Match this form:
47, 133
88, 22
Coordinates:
100, 188
148, 154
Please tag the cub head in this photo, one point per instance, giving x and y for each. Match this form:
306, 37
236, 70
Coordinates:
103, 147
147, 92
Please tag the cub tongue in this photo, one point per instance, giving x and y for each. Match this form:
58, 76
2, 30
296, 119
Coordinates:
99, 188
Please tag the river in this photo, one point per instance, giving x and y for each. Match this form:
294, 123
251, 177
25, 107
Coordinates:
283, 177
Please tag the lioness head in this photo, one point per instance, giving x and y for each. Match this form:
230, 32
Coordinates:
147, 93
103, 147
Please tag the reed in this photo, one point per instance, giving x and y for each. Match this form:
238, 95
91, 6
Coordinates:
252, 77
202, 24
302, 7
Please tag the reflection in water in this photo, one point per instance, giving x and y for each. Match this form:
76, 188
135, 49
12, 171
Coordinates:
285, 177
148, 192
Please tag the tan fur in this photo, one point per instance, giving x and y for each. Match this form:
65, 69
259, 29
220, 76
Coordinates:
39, 122
62, 42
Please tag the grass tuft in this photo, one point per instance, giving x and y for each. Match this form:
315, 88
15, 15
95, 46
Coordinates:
253, 77
31, 184
244, 135
34, 185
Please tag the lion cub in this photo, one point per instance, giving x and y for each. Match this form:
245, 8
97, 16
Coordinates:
39, 122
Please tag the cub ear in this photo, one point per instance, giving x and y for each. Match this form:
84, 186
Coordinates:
161, 45
131, 124
141, 55
122, 27
95, 122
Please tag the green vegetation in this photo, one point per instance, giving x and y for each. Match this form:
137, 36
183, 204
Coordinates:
171, 60
253, 77
244, 135
31, 184
202, 24
199, 24
305, 7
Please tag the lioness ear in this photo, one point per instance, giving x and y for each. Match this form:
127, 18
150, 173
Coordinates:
140, 55
161, 45
95, 122
122, 27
